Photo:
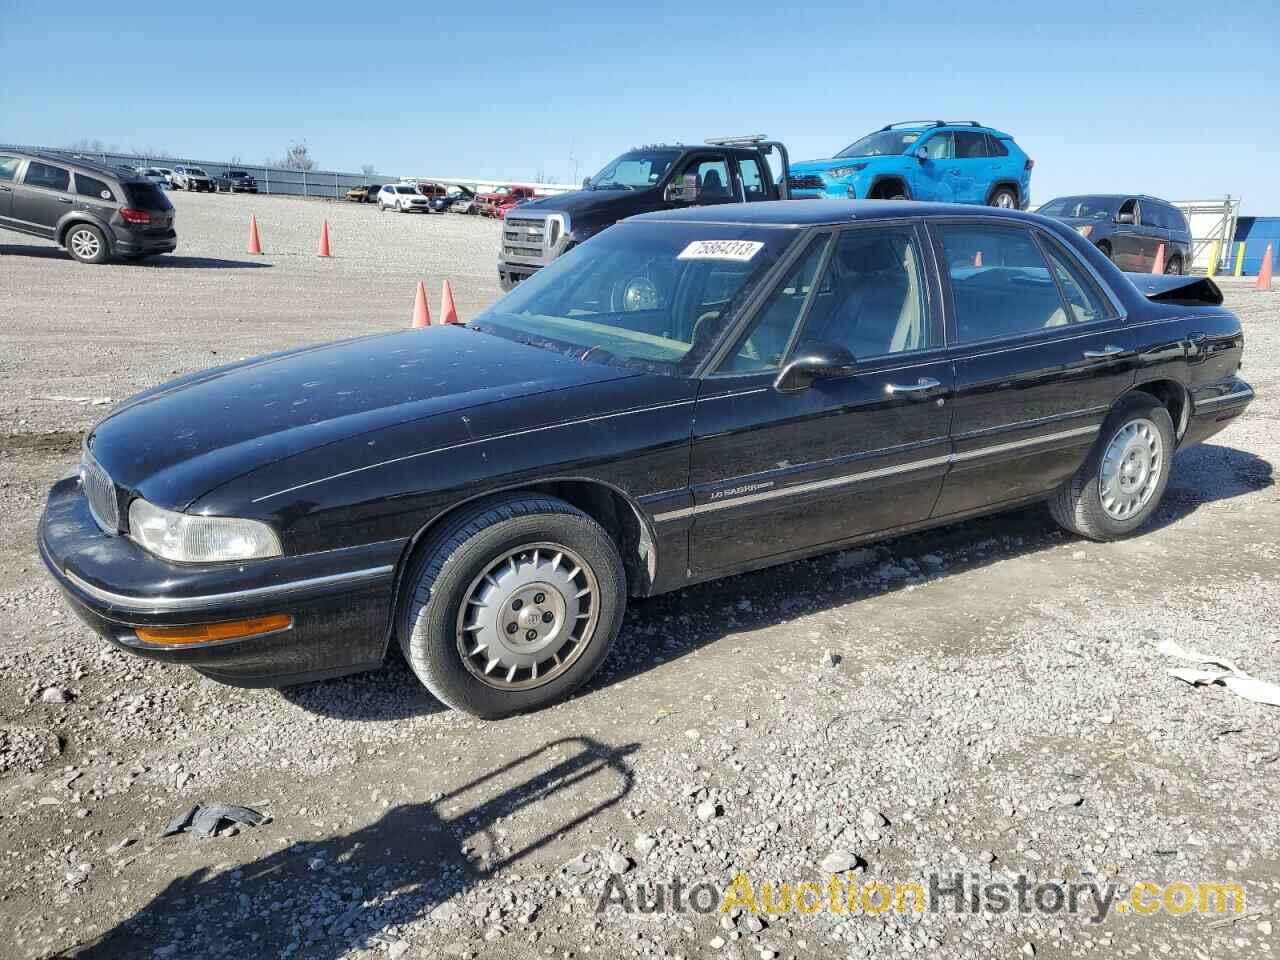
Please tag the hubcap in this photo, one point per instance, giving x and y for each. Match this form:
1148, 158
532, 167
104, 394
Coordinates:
1131, 469
1004, 200
528, 617
85, 244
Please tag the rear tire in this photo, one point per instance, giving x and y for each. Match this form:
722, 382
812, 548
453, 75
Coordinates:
1174, 266
1004, 198
553, 592
86, 243
1105, 249
1120, 486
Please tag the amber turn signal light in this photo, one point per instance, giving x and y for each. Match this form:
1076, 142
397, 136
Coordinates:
209, 632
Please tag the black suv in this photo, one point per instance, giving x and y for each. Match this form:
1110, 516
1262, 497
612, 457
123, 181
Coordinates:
94, 211
1128, 229
237, 181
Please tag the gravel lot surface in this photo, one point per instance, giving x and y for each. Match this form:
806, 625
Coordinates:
985, 698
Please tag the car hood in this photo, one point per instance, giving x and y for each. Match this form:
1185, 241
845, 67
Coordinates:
590, 209
182, 439
822, 166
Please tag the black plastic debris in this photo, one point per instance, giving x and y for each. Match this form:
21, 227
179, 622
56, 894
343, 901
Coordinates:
205, 819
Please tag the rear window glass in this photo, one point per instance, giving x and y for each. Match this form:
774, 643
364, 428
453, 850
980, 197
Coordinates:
44, 175
88, 186
146, 196
970, 146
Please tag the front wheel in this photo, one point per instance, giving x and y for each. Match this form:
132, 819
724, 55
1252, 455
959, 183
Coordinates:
86, 243
512, 606
1119, 487
1004, 198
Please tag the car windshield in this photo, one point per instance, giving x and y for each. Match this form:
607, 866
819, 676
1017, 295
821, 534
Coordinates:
882, 143
634, 170
1083, 208
654, 296
197, 171
406, 189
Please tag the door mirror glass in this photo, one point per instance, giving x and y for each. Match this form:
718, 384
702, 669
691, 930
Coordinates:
683, 189
922, 153
819, 361
1125, 218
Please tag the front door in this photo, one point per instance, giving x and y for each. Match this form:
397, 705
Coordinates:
1127, 244
8, 174
712, 174
936, 173
776, 473
1041, 354
42, 197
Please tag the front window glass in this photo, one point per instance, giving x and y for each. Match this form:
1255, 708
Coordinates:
871, 299
656, 296
938, 147
47, 176
8, 167
1081, 208
196, 172
1000, 282
634, 170
882, 143
713, 179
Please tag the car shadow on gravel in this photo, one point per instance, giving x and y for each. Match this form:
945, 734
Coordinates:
665, 628
168, 261
323, 899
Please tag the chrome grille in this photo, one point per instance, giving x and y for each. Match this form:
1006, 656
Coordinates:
522, 237
101, 494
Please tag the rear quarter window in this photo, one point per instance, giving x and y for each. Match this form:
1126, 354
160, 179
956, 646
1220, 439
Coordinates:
87, 186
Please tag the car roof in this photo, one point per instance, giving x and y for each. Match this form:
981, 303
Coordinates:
808, 213
85, 164
1113, 196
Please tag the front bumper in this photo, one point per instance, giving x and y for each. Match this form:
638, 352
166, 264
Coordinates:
340, 600
509, 274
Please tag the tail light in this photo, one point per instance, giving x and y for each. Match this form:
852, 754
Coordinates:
1030, 163
133, 215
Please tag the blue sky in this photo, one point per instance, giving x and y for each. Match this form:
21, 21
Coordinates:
1179, 99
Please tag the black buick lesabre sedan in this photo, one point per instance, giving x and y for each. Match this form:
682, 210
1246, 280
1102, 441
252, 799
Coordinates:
688, 395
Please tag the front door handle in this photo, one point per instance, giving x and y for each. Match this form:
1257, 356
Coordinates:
65, 200
1107, 351
923, 385
6, 189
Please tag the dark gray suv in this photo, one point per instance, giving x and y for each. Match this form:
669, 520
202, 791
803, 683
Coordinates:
1128, 229
94, 211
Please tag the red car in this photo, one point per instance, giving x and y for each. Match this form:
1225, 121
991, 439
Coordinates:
502, 199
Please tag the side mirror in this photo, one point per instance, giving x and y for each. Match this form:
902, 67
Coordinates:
819, 361
682, 190
922, 154
1125, 218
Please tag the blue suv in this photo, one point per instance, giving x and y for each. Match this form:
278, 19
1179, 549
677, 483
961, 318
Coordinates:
962, 162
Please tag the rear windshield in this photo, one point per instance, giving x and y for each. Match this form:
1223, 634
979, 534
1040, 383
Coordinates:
145, 195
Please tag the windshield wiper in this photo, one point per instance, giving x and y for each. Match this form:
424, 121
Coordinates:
613, 186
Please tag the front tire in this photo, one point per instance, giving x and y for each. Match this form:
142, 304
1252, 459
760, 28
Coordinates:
1120, 486
86, 243
512, 606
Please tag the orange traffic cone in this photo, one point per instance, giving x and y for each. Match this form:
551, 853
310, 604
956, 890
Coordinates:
448, 312
1158, 266
977, 259
255, 245
324, 240
421, 315
1264, 272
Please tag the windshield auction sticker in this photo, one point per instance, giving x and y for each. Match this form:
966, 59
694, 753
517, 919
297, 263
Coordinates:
738, 250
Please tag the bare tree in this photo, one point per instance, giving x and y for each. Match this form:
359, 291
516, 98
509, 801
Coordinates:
368, 169
297, 157
91, 145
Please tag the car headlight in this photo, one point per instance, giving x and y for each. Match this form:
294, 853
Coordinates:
839, 173
188, 538
1084, 229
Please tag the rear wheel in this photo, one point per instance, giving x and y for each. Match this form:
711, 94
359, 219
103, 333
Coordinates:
1173, 266
1106, 249
1120, 485
512, 606
1004, 198
86, 243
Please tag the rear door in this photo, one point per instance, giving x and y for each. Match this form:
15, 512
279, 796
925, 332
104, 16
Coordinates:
9, 166
1041, 353
1154, 227
777, 473
42, 197
974, 166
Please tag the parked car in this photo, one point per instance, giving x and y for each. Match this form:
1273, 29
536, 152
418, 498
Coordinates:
402, 198
452, 196
728, 170
496, 202
365, 193
237, 181
961, 162
687, 395
191, 178
465, 204
157, 175
1128, 229
167, 172
92, 210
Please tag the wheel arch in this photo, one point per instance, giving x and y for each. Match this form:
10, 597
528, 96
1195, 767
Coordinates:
613, 509
1006, 184
78, 216
1173, 396
895, 179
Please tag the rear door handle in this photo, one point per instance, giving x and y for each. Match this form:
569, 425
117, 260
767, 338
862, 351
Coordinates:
1107, 351
6, 189
923, 385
